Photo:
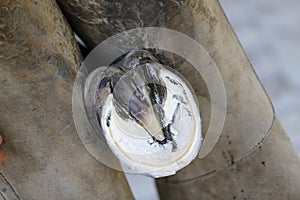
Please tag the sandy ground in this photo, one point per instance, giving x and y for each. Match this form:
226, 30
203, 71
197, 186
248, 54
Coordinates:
269, 31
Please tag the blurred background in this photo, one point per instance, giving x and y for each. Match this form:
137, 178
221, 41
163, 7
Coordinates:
269, 31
